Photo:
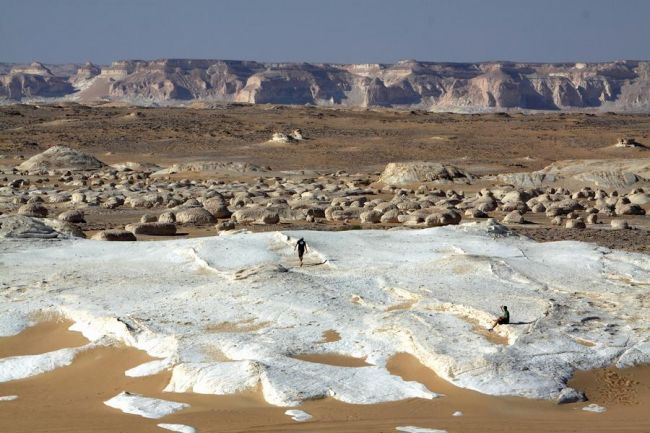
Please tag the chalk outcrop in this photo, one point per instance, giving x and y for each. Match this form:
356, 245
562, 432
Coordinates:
484, 86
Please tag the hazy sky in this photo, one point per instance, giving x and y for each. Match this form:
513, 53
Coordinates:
341, 31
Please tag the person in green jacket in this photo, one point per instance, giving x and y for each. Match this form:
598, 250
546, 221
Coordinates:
503, 319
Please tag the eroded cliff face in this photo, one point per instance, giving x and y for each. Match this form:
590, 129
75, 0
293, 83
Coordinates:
615, 86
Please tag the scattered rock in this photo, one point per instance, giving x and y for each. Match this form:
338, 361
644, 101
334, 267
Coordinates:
35, 210
152, 229
619, 224
196, 216
570, 395
114, 235
72, 216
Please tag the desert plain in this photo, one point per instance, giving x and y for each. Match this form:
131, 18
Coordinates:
420, 225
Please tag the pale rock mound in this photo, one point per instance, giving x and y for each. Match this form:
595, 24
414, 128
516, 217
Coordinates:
403, 173
61, 158
612, 173
25, 227
210, 167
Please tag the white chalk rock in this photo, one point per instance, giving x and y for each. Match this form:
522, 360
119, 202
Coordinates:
413, 429
144, 406
21, 367
298, 415
180, 428
594, 408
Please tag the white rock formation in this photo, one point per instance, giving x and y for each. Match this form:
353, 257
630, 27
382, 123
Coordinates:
421, 292
61, 158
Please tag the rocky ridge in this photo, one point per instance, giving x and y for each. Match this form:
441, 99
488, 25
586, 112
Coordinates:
614, 86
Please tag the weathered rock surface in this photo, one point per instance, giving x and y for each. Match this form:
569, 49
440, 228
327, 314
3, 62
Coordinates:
61, 158
152, 229
114, 235
613, 86
404, 173
21, 226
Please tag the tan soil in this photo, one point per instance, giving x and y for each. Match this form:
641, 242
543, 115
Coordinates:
333, 359
70, 400
338, 139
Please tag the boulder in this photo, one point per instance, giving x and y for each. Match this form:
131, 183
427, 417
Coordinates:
404, 173
619, 224
225, 226
72, 216
112, 203
217, 207
629, 209
592, 218
370, 217
35, 210
25, 227
147, 218
167, 217
577, 223
570, 395
390, 217
61, 158
449, 217
152, 229
514, 217
268, 217
114, 235
196, 216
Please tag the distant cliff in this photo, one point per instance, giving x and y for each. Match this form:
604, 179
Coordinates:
614, 86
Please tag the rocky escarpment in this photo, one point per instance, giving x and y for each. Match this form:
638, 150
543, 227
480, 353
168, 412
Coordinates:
614, 86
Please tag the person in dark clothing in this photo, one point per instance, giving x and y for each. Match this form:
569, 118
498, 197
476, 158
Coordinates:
302, 248
503, 319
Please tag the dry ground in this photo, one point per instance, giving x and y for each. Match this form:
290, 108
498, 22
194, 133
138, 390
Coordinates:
359, 140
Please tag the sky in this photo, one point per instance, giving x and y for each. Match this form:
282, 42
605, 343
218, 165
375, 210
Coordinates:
336, 31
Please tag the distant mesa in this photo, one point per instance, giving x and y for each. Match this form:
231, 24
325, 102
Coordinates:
620, 86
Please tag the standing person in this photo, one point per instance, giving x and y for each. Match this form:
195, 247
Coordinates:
302, 248
503, 319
